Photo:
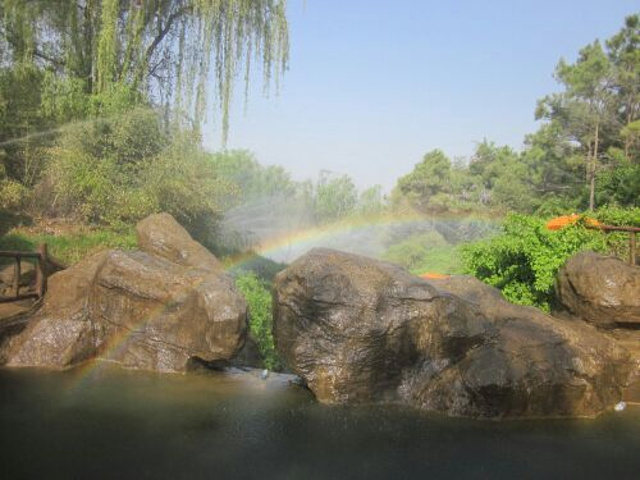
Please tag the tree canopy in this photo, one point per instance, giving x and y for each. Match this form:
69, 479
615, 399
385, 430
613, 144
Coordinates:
164, 52
102, 101
585, 154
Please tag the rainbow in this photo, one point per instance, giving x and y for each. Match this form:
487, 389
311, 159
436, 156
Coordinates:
302, 239
118, 343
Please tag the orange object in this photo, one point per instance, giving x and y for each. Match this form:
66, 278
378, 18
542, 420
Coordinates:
433, 276
563, 221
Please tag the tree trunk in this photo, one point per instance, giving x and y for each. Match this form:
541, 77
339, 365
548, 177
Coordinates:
594, 160
627, 140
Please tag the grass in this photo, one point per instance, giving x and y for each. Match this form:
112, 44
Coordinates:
69, 247
427, 252
446, 260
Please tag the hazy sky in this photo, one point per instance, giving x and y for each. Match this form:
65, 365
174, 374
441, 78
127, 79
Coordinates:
373, 85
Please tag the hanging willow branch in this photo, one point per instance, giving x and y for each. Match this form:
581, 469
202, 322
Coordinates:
179, 50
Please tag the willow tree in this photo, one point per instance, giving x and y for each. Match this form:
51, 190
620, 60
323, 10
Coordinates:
171, 53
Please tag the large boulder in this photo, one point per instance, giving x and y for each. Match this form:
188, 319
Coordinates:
161, 235
601, 290
361, 331
135, 309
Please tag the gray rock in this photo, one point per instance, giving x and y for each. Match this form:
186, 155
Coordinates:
601, 290
134, 309
162, 236
360, 331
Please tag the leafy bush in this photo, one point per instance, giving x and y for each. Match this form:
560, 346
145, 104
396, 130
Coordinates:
258, 297
97, 169
619, 216
117, 170
618, 242
12, 194
524, 260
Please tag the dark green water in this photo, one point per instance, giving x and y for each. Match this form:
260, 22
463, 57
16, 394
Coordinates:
119, 424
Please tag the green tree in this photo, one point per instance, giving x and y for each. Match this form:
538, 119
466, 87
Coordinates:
624, 55
21, 117
429, 177
336, 197
553, 166
501, 176
620, 186
168, 50
630, 134
584, 109
254, 181
371, 201
105, 91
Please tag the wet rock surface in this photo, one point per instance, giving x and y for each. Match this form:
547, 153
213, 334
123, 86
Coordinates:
136, 309
601, 290
630, 339
363, 331
162, 236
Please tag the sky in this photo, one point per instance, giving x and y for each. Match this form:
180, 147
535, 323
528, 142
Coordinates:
374, 85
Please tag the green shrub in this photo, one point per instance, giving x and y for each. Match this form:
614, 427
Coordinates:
619, 216
258, 297
618, 242
117, 170
524, 260
12, 194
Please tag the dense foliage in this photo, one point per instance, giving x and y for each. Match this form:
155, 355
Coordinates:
258, 296
165, 50
524, 259
118, 170
101, 102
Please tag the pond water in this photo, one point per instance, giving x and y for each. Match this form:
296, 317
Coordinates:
110, 423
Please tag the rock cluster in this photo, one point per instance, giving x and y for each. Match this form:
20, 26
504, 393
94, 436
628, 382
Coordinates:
601, 290
361, 331
161, 308
605, 292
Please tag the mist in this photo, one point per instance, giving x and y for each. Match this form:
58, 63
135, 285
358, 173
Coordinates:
282, 229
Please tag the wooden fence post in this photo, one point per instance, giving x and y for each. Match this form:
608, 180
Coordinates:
41, 270
632, 248
16, 277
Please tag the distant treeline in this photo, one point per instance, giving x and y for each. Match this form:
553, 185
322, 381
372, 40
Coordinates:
586, 153
111, 153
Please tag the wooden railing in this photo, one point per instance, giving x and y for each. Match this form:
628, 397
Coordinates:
41, 273
632, 231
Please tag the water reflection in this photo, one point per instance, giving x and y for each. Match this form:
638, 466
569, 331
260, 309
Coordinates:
122, 424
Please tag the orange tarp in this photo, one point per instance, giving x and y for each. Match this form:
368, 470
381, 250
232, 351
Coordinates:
433, 276
559, 223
